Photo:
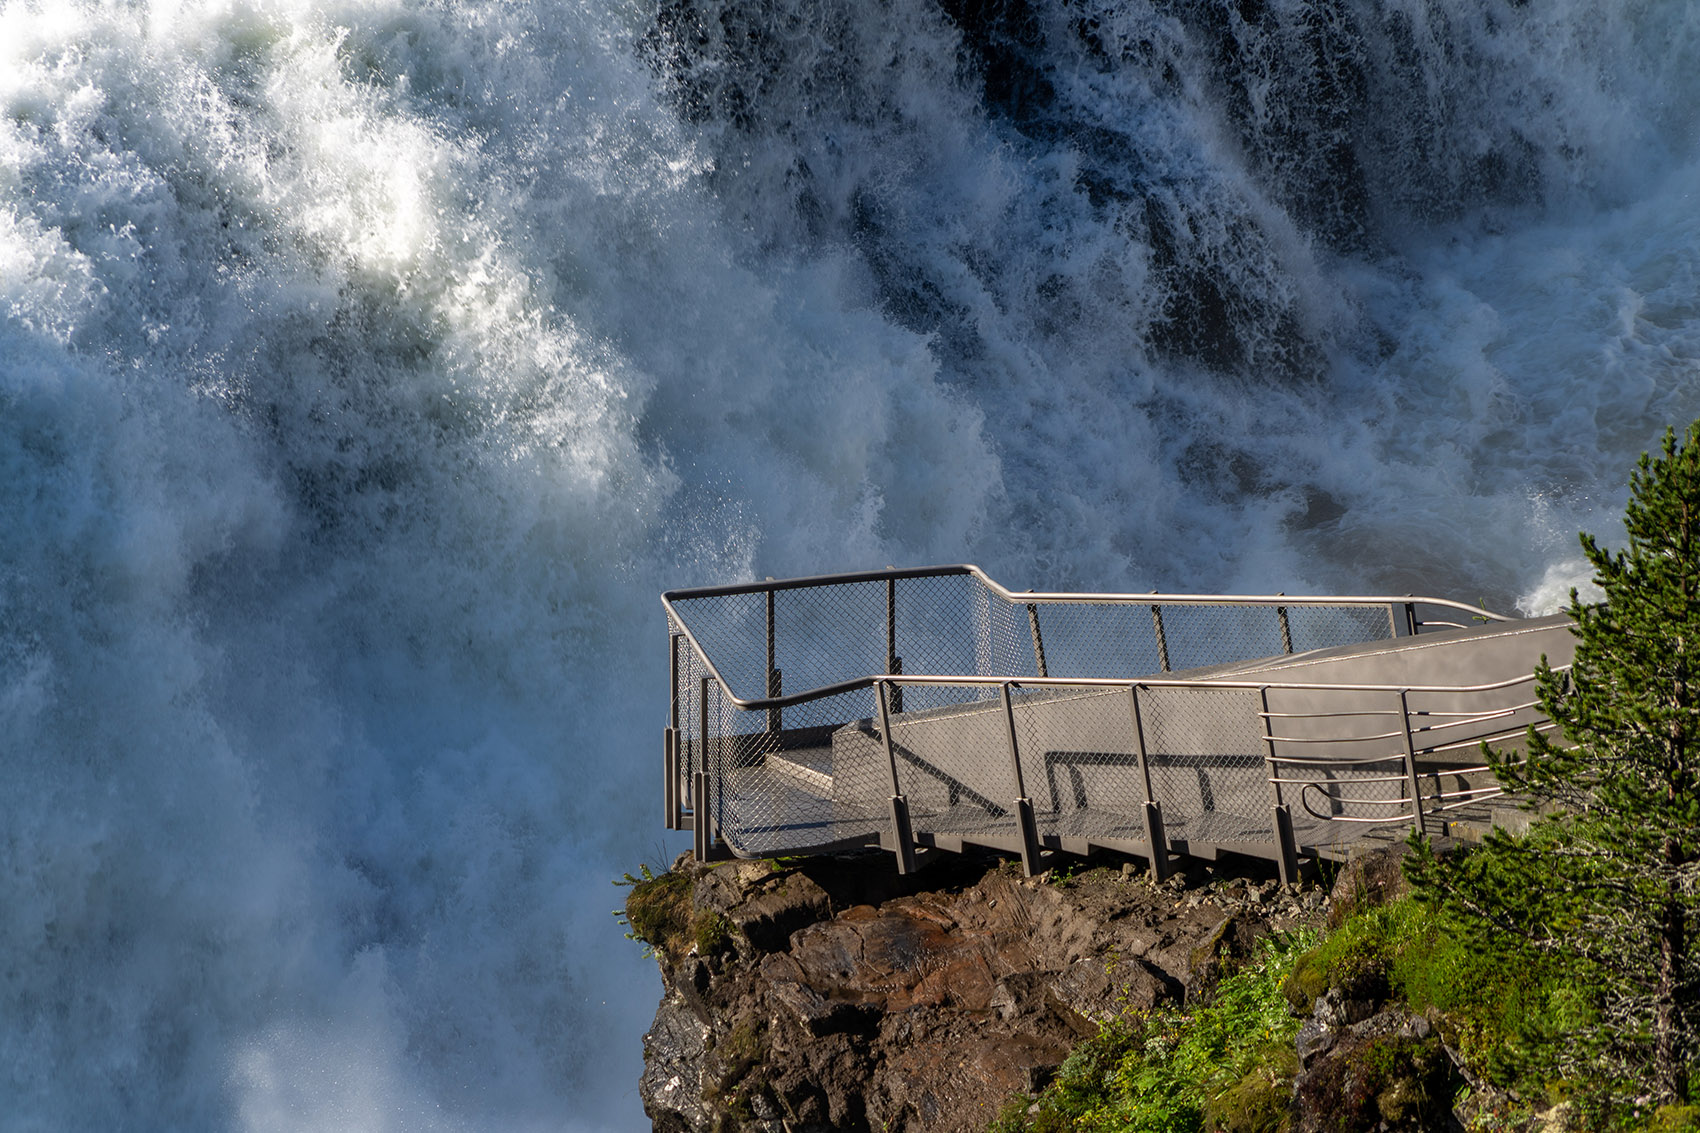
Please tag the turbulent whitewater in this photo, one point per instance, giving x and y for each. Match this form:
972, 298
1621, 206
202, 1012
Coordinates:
366, 369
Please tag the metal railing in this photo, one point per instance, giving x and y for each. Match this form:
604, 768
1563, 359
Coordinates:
1014, 705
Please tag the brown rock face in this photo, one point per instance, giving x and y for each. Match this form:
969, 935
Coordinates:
846, 998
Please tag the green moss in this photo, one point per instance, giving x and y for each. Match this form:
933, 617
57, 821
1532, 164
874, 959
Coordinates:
1305, 984
713, 934
1389, 1082
1229, 1064
1357, 958
735, 1076
1258, 1102
741, 1049
1224, 1065
1675, 1119
658, 908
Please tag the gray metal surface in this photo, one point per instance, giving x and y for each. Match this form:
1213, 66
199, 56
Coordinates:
935, 708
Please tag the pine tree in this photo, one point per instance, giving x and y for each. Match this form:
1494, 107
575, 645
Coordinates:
1609, 884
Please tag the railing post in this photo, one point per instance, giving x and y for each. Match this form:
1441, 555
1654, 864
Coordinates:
1269, 747
670, 756
1162, 641
673, 680
1417, 818
902, 834
890, 622
704, 826
775, 716
1280, 816
702, 836
1023, 805
702, 733
893, 663
1288, 863
1038, 639
1286, 630
670, 780
1411, 622
1156, 839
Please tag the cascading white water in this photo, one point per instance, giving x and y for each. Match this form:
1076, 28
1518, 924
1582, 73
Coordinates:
367, 367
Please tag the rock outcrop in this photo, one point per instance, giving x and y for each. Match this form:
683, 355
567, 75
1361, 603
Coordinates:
832, 994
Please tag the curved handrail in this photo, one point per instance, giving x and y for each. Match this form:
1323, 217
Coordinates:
1021, 597
1154, 598
935, 679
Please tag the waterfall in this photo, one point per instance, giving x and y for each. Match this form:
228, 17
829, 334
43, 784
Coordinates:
366, 369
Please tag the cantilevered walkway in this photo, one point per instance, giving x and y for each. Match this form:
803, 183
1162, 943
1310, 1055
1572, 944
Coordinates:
933, 709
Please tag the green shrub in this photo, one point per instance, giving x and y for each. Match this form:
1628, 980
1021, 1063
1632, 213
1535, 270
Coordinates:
1501, 1003
1228, 1065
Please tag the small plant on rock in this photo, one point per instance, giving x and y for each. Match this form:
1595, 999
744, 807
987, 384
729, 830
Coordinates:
658, 908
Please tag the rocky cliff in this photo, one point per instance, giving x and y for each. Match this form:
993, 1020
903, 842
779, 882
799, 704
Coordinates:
833, 994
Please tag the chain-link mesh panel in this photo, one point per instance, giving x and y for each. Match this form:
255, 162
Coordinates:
1080, 763
934, 628
1203, 636
815, 782
1208, 765
953, 623
1094, 639
1004, 641
939, 759
1323, 627
731, 629
819, 773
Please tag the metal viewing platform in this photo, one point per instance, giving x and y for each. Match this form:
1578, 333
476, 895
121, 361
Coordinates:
936, 710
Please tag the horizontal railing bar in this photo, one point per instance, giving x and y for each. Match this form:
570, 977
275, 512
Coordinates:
1488, 793
1325, 761
1459, 718
1458, 770
1336, 739
1085, 597
1456, 718
950, 680
1354, 780
1400, 800
1348, 818
1478, 741
1508, 709
811, 581
1495, 790
1481, 718
1304, 801
1326, 715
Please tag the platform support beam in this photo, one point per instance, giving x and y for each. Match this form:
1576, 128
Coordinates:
1288, 861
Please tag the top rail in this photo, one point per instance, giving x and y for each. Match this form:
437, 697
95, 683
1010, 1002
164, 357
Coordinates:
1156, 600
1153, 597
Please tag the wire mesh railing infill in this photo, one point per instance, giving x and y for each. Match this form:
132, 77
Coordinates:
934, 709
